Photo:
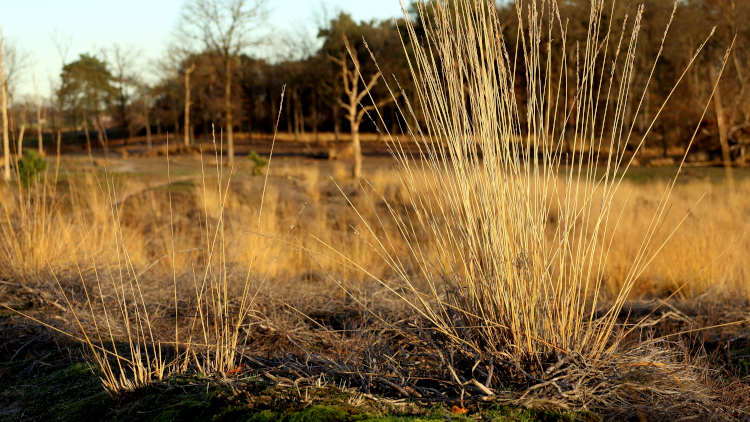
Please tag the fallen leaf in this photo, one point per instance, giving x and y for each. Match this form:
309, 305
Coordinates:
236, 370
457, 410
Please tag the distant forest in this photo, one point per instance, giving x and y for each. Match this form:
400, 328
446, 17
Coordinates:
102, 91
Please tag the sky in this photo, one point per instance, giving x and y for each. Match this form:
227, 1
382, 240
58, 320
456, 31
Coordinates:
146, 26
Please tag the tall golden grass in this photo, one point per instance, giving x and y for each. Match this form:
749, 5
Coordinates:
493, 275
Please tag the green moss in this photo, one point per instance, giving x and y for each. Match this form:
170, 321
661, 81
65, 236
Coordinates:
408, 419
69, 394
318, 414
518, 414
190, 409
264, 416
323, 413
453, 418
239, 414
74, 393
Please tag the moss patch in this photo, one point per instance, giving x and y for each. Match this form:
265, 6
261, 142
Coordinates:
74, 393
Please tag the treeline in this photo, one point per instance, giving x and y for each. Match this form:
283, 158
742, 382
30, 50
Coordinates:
102, 92
99, 93
313, 85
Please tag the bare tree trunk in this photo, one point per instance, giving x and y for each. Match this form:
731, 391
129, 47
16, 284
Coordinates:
176, 121
723, 127
102, 135
131, 130
356, 150
250, 121
86, 132
188, 71
228, 110
350, 79
293, 106
99, 136
19, 151
316, 104
336, 124
59, 126
22, 131
146, 117
57, 159
12, 131
4, 108
742, 158
299, 123
39, 134
301, 118
289, 119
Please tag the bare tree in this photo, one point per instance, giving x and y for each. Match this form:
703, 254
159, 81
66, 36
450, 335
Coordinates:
188, 72
123, 60
17, 63
722, 123
4, 110
355, 94
62, 45
12, 63
38, 104
145, 94
226, 27
22, 130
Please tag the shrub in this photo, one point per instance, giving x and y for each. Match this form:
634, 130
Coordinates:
30, 167
259, 163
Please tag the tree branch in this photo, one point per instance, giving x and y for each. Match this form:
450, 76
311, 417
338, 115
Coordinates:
370, 107
369, 87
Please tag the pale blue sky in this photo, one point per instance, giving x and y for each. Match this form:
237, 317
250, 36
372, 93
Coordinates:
144, 24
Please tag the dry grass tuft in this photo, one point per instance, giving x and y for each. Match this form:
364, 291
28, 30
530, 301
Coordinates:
509, 238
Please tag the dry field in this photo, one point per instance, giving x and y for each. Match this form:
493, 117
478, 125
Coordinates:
181, 232
307, 220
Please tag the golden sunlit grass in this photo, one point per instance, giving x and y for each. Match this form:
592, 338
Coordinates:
705, 256
53, 227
